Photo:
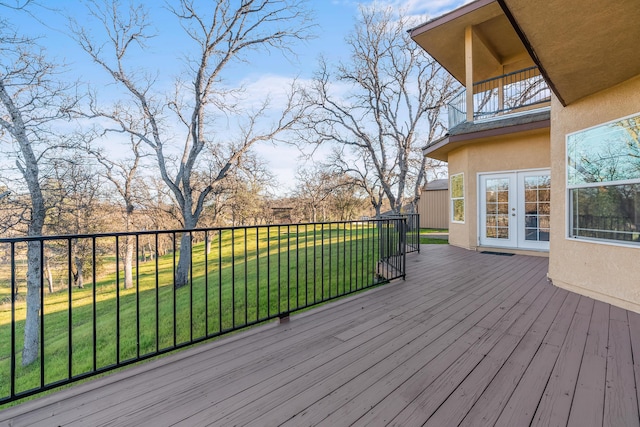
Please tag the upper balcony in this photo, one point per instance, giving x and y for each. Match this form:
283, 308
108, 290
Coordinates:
505, 92
509, 94
479, 47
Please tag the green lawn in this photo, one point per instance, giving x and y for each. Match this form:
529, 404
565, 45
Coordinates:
249, 276
433, 230
426, 240
433, 241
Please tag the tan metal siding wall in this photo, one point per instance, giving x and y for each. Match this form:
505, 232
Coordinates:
433, 208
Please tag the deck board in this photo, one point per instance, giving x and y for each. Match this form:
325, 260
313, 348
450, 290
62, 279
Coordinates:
522, 405
588, 401
620, 401
384, 375
428, 399
553, 409
468, 339
454, 410
386, 397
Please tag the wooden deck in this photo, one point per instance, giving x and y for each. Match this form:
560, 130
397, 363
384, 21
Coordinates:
468, 339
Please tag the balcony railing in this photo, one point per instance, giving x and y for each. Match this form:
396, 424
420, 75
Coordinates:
507, 94
237, 277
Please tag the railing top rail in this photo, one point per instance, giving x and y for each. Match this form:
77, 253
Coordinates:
458, 94
21, 239
513, 73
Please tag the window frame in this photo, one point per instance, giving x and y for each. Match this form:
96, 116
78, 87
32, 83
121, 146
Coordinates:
453, 199
569, 190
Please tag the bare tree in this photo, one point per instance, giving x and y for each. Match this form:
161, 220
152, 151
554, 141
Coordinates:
31, 102
221, 33
74, 193
16, 4
362, 174
247, 188
325, 192
394, 91
122, 173
313, 188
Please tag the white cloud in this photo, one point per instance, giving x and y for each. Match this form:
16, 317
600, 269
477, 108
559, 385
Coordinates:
424, 8
267, 86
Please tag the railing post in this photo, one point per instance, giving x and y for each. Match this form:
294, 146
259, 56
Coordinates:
501, 94
417, 226
283, 317
403, 247
12, 380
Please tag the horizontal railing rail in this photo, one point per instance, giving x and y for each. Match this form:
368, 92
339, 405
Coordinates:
506, 94
103, 301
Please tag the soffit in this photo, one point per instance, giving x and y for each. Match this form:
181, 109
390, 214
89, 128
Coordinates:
581, 46
495, 42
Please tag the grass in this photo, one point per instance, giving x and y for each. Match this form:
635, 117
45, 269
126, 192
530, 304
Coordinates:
249, 276
433, 241
433, 230
426, 240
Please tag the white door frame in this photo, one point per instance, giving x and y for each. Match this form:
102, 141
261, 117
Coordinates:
511, 222
523, 217
504, 232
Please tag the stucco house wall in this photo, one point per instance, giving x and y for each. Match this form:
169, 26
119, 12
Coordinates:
508, 153
609, 272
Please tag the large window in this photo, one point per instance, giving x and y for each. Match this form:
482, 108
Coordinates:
603, 180
457, 198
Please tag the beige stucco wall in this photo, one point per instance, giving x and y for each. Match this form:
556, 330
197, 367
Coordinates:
604, 271
527, 150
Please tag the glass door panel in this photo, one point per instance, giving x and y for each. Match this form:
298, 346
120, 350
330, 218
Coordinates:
536, 207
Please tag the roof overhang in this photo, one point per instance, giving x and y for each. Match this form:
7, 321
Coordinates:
580, 46
497, 48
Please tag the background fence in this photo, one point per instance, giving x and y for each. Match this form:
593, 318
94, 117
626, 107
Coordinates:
108, 300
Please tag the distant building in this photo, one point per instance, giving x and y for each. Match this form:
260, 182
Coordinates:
282, 215
433, 205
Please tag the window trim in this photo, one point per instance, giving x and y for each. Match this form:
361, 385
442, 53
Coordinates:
569, 187
453, 199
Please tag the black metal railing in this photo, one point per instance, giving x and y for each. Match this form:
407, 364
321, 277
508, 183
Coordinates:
506, 94
108, 300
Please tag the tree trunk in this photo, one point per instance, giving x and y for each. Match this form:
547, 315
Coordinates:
143, 250
31, 343
128, 263
32, 322
184, 263
78, 276
48, 275
208, 249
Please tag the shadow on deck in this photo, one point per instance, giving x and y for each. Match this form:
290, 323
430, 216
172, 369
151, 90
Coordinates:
468, 339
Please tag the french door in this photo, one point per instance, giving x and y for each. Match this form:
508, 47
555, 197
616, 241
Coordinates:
514, 209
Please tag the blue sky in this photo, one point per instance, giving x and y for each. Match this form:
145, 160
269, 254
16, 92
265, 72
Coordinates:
334, 19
